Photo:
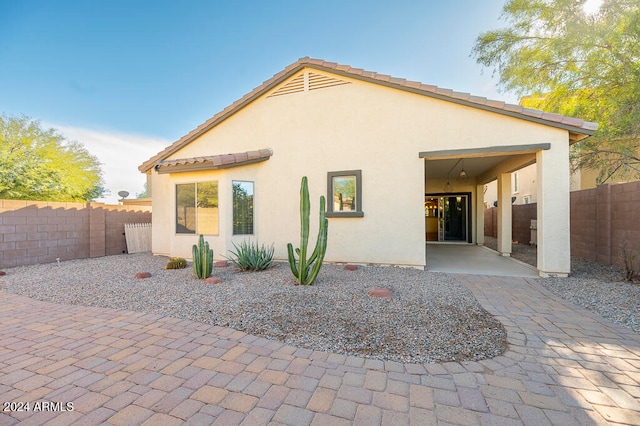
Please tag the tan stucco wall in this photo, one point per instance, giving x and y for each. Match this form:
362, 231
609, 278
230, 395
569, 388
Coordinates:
358, 126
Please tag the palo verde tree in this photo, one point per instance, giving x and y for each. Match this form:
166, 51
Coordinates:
39, 164
579, 64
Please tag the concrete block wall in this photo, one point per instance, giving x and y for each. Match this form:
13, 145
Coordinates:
602, 230
521, 217
491, 222
115, 218
584, 231
602, 220
41, 232
625, 220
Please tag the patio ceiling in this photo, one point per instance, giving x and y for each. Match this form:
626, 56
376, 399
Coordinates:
441, 169
481, 163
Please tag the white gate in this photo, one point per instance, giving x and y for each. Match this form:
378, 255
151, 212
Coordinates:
138, 236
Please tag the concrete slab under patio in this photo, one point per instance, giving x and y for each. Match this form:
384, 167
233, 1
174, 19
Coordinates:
474, 259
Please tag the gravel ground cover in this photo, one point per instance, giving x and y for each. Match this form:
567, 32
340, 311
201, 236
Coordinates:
430, 318
592, 285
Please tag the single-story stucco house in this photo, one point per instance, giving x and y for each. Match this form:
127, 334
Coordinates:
400, 162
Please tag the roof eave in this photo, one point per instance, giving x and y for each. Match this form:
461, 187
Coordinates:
201, 166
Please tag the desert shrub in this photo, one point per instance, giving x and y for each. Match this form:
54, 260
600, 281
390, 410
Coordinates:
629, 259
249, 256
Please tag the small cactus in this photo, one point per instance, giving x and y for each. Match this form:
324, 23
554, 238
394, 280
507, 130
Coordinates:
176, 263
202, 259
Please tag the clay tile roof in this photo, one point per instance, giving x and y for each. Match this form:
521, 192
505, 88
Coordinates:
460, 95
577, 122
212, 162
478, 100
495, 104
574, 125
513, 108
532, 112
429, 88
552, 117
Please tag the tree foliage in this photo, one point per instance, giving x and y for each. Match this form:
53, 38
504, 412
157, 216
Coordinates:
144, 193
576, 64
39, 164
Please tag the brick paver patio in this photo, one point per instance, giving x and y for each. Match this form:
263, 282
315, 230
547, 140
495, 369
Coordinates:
564, 366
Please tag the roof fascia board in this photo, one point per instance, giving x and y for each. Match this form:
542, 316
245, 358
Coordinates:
480, 152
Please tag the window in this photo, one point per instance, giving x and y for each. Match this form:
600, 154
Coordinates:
344, 194
197, 208
242, 208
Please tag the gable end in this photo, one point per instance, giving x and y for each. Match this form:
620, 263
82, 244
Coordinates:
307, 81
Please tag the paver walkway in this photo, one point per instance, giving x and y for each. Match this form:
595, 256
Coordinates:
564, 366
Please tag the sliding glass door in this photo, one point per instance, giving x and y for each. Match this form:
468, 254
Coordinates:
454, 218
449, 214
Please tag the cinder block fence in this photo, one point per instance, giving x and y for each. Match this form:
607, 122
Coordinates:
41, 232
602, 220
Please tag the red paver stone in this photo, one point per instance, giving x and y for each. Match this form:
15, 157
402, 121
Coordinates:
380, 292
220, 264
2, 273
213, 280
143, 275
350, 267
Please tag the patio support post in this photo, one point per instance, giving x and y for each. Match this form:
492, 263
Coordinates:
504, 214
480, 214
554, 258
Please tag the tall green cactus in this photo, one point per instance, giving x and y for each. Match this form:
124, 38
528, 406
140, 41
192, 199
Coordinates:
202, 259
306, 270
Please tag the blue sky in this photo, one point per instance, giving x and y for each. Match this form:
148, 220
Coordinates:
127, 78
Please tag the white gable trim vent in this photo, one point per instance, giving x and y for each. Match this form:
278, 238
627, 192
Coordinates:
307, 81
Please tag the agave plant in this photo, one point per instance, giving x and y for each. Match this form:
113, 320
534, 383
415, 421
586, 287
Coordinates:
249, 256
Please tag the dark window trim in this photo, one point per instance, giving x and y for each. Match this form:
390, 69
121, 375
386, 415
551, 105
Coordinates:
175, 210
353, 213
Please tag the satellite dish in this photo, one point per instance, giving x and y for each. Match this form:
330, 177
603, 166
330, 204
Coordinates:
123, 194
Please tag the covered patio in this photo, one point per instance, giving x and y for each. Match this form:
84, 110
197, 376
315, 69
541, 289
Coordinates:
464, 258
454, 183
